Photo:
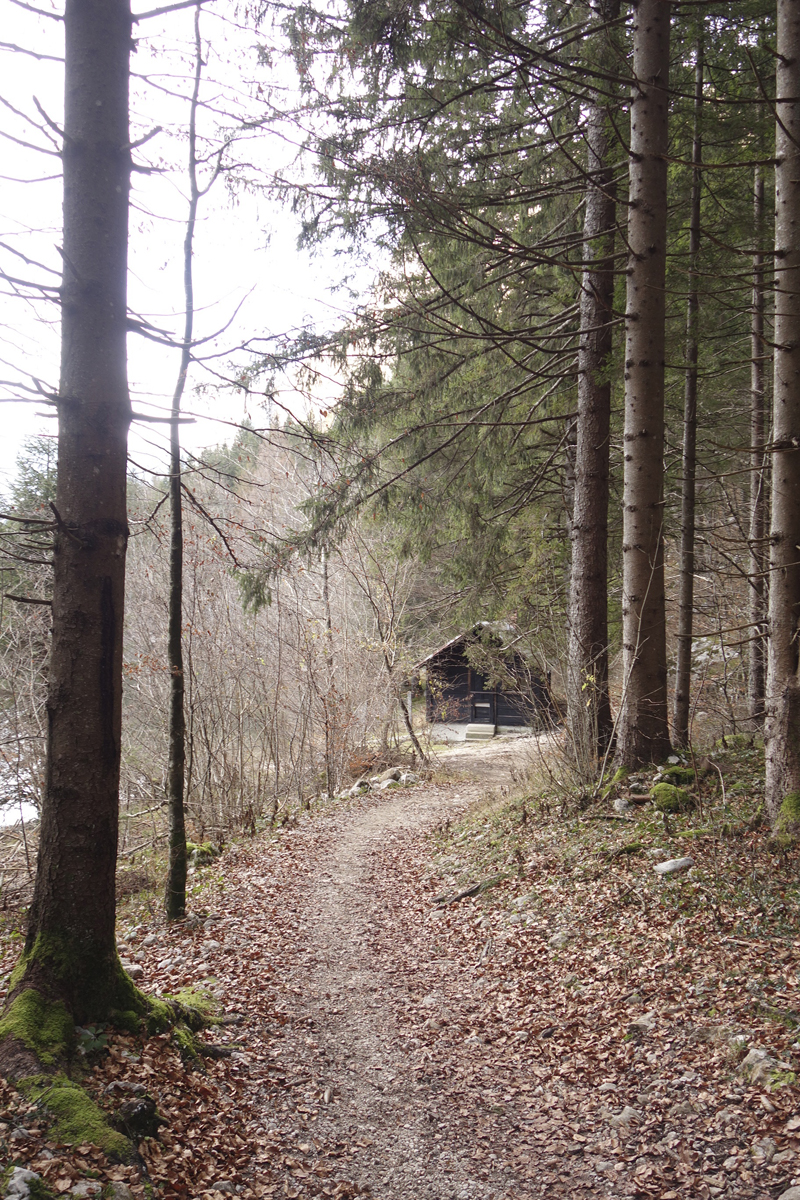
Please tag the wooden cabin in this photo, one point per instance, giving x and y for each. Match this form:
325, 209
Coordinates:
458, 693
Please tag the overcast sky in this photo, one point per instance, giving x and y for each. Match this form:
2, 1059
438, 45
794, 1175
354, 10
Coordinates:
248, 273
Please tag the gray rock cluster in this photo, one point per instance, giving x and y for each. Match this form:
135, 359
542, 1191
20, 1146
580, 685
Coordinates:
391, 778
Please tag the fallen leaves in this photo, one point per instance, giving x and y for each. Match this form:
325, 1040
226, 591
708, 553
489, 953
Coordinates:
599, 1063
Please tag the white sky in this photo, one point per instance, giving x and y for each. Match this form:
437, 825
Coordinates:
245, 246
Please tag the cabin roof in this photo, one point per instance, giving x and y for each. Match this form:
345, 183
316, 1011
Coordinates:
501, 628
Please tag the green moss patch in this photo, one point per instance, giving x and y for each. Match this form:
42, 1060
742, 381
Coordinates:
160, 1016
788, 824
679, 776
186, 1042
77, 1119
45, 1029
202, 852
670, 799
201, 1003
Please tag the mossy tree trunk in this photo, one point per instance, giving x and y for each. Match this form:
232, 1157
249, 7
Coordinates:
643, 733
782, 726
70, 952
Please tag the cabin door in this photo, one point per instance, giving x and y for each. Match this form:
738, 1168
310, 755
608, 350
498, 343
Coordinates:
483, 708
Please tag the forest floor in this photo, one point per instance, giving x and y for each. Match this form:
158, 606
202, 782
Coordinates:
573, 1028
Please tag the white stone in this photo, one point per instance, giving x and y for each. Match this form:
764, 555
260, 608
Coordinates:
645, 1023
86, 1187
792, 1193
626, 1117
673, 866
758, 1067
19, 1182
120, 1191
559, 940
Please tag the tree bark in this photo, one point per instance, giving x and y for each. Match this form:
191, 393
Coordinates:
782, 724
588, 705
683, 671
175, 890
643, 734
758, 495
71, 948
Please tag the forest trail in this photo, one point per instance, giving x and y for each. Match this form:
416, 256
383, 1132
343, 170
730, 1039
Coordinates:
367, 1001
562, 1035
363, 999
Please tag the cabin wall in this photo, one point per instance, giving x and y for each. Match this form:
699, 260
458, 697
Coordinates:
452, 685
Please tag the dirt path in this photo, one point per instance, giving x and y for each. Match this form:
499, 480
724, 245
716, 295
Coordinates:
566, 1035
351, 994
369, 1009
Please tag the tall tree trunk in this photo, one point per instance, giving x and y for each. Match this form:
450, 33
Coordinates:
175, 890
758, 496
643, 734
329, 695
683, 671
782, 729
588, 704
70, 951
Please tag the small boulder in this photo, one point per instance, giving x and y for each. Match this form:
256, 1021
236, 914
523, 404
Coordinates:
138, 1118
673, 866
125, 1085
409, 777
19, 1183
559, 940
86, 1187
120, 1191
670, 799
388, 783
759, 1067
792, 1193
738, 1043
642, 1025
201, 853
628, 1116
622, 806
391, 773
678, 775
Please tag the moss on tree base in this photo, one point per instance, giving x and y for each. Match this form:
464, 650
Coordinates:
38, 1035
89, 980
787, 828
47, 1030
77, 1119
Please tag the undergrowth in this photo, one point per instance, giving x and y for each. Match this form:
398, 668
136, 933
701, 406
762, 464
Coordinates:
745, 881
